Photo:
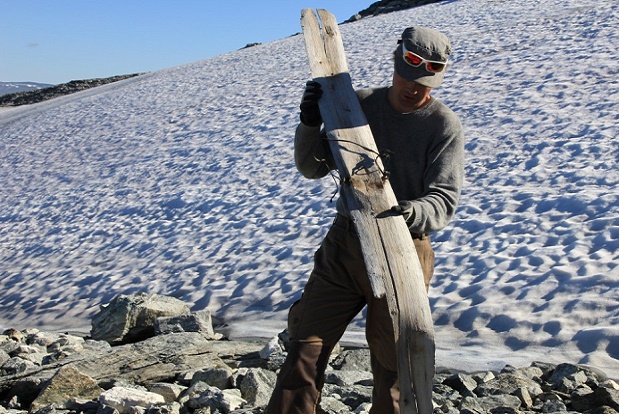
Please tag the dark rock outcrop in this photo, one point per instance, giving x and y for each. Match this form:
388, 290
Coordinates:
388, 6
40, 95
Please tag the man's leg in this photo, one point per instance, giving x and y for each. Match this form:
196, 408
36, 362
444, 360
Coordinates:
379, 333
300, 379
330, 300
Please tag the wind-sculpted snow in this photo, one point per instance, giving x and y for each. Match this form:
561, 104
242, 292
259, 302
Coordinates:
182, 182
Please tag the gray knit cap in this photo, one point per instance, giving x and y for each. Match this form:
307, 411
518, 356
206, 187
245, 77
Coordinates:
427, 43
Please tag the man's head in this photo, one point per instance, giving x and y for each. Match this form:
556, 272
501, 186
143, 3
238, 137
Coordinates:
422, 56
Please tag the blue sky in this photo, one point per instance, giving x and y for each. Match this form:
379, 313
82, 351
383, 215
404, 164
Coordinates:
55, 41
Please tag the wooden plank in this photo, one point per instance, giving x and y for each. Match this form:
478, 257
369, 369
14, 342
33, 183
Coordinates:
389, 253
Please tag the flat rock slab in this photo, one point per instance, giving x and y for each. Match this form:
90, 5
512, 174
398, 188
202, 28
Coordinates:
156, 359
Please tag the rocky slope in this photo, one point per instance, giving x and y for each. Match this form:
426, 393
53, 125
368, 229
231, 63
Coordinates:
185, 372
168, 361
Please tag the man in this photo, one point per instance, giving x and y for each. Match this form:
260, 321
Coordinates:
426, 166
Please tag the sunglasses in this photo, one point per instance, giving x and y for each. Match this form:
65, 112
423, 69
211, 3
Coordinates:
415, 61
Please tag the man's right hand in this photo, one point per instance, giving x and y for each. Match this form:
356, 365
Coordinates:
310, 112
405, 209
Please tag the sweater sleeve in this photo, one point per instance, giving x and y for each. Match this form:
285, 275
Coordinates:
443, 180
312, 155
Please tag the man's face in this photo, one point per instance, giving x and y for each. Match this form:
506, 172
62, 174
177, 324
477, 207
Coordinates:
407, 96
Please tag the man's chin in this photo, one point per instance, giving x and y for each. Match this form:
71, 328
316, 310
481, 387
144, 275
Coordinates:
411, 104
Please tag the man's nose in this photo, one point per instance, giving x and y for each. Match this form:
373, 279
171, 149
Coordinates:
413, 87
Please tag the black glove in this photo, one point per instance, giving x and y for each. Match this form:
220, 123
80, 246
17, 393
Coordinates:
310, 112
405, 209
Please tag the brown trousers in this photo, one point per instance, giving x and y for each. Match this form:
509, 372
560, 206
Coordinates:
337, 290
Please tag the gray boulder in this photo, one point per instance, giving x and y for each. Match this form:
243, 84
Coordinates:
126, 400
66, 385
257, 385
505, 383
132, 318
353, 360
219, 375
200, 322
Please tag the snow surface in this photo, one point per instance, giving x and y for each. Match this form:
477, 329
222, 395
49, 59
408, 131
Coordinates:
181, 182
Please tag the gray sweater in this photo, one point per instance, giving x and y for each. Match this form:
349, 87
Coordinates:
426, 164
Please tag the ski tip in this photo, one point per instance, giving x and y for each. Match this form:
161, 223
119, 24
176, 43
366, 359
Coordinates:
305, 12
325, 14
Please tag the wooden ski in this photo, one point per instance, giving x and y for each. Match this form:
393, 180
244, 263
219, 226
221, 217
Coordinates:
389, 253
